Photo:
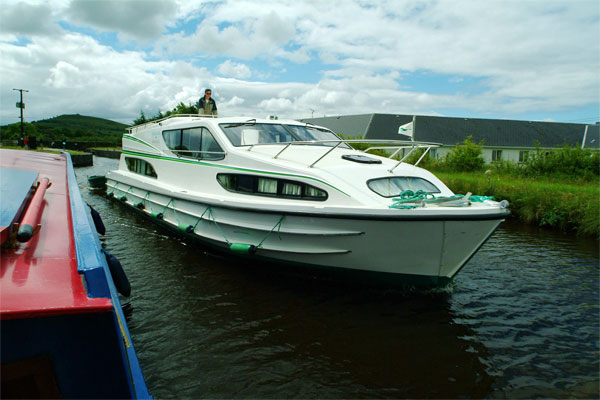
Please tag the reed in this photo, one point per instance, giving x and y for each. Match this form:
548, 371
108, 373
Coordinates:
556, 203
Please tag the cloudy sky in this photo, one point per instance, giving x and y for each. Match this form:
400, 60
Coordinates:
527, 59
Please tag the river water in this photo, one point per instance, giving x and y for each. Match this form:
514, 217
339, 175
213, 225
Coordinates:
521, 320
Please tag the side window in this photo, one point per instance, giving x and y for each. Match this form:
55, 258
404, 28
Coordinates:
195, 143
172, 139
273, 187
191, 140
139, 166
210, 148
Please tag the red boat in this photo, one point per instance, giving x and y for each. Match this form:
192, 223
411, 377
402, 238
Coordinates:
63, 332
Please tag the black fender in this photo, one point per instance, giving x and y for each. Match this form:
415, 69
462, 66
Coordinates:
97, 221
118, 274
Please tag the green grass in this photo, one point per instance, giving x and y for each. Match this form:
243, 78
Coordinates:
114, 148
572, 206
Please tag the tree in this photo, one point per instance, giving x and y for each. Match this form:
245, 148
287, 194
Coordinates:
141, 120
13, 131
181, 108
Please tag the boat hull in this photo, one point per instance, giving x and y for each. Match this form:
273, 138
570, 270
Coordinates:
427, 251
63, 332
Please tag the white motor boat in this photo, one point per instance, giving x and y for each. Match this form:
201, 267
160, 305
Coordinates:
294, 193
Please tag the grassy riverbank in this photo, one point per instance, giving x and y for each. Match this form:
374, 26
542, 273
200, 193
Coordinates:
551, 202
114, 148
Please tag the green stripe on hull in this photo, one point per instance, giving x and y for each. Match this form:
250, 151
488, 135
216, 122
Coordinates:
205, 164
134, 139
345, 275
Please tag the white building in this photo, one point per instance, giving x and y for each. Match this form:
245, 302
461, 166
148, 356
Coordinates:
505, 140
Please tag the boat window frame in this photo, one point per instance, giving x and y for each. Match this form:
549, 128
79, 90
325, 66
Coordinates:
280, 185
394, 177
195, 154
147, 164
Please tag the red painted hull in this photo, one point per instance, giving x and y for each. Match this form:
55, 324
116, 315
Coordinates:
39, 277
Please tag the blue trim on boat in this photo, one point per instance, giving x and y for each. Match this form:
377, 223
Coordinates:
91, 263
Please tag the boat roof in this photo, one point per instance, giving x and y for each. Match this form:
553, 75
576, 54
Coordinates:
40, 277
178, 119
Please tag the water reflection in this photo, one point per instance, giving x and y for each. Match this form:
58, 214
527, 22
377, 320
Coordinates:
521, 321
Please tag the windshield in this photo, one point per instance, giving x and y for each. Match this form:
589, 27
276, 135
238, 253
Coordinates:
394, 186
252, 133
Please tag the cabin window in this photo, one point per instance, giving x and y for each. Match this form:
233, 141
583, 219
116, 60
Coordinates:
250, 133
266, 185
523, 156
272, 187
496, 155
196, 143
394, 186
139, 166
291, 189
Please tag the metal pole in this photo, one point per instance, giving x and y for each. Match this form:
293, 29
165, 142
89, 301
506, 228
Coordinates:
22, 106
584, 137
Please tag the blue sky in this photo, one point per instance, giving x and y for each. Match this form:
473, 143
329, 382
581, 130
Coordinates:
526, 60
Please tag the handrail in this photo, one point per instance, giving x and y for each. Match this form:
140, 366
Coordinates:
157, 121
223, 153
400, 144
323, 156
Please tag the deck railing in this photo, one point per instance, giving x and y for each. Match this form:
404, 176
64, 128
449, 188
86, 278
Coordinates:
396, 145
131, 129
181, 153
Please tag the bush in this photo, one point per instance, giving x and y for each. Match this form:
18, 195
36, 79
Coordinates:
568, 161
568, 206
427, 162
465, 157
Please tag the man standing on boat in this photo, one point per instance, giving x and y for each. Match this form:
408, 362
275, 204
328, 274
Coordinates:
206, 104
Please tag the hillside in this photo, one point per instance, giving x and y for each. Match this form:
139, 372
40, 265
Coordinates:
70, 127
83, 122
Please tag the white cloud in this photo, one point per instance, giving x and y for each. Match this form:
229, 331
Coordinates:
27, 19
141, 19
278, 104
522, 56
234, 101
235, 70
75, 74
64, 75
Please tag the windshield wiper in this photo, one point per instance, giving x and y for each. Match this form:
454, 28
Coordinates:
249, 122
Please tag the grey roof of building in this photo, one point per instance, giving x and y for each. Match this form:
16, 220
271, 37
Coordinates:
450, 131
347, 125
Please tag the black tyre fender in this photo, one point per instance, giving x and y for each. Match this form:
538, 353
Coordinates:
118, 274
